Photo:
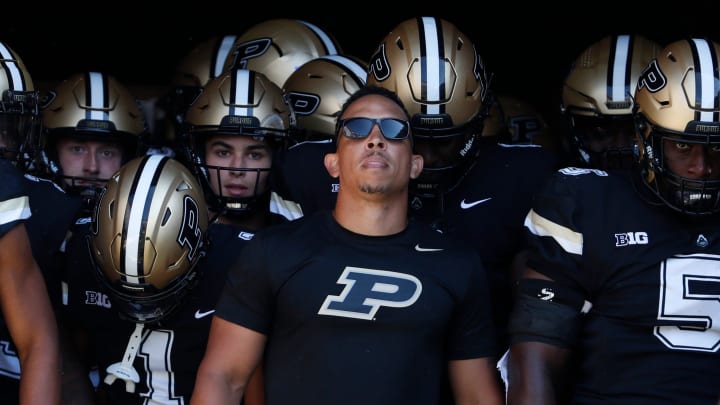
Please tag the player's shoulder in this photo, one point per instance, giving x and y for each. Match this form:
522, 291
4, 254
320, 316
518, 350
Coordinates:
582, 177
12, 181
587, 187
293, 228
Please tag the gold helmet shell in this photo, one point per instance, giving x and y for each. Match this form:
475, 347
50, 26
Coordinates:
240, 102
148, 235
602, 79
435, 70
319, 88
277, 47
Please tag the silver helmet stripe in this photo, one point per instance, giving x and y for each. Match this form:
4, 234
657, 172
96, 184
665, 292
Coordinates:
619, 86
11, 68
431, 66
139, 206
97, 97
705, 80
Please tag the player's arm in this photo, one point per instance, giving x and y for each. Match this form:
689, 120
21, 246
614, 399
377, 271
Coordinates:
544, 326
30, 319
475, 381
233, 352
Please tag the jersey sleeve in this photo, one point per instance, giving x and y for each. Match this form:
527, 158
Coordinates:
555, 224
14, 201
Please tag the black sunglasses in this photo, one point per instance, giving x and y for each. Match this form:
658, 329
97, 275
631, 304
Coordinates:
360, 127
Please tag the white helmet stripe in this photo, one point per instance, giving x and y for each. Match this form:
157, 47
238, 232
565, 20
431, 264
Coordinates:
431, 67
244, 89
328, 43
705, 79
11, 68
350, 65
139, 208
226, 46
619, 87
97, 97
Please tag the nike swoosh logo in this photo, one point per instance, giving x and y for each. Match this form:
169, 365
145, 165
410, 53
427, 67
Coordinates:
465, 205
422, 249
199, 314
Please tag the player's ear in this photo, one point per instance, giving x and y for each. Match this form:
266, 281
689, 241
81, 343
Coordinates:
331, 165
416, 166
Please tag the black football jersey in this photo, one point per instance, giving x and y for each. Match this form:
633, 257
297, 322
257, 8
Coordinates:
14, 209
302, 176
52, 212
652, 277
356, 319
14, 201
487, 209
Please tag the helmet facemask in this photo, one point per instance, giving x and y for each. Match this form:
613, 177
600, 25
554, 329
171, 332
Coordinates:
449, 154
19, 127
685, 195
88, 188
603, 142
210, 176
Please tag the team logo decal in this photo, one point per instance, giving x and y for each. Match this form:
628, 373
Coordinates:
367, 290
250, 50
190, 233
303, 103
652, 78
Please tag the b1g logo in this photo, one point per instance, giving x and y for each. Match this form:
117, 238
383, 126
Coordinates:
631, 238
366, 290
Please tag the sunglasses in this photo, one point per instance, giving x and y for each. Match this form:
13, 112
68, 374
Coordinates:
360, 127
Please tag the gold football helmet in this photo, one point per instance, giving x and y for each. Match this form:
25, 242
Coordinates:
91, 105
239, 102
437, 73
677, 99
149, 233
277, 47
597, 100
515, 121
317, 91
19, 111
204, 62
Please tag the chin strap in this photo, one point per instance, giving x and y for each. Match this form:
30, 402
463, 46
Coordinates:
124, 370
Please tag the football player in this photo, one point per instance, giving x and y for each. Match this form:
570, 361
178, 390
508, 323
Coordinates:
475, 191
623, 264
597, 101
165, 305
52, 209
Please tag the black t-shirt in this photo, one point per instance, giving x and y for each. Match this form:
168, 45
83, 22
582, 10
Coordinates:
356, 319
